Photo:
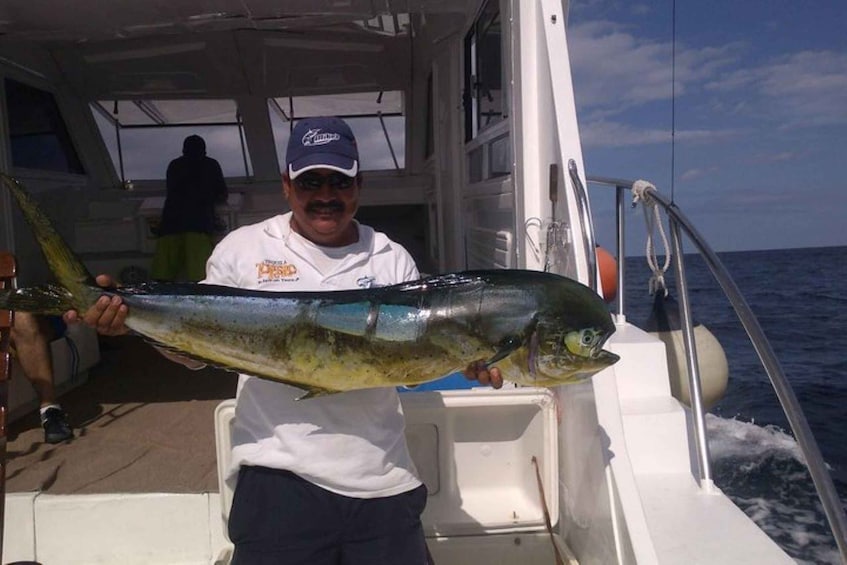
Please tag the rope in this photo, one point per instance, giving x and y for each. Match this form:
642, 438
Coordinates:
652, 218
547, 522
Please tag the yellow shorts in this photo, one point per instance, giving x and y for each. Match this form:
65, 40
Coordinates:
182, 257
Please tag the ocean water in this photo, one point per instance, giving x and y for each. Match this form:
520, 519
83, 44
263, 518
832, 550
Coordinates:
799, 297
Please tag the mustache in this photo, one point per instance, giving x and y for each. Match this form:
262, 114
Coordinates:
330, 206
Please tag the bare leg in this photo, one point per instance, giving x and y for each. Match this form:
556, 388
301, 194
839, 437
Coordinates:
32, 343
31, 336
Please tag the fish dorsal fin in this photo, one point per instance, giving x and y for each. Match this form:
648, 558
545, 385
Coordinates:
445, 281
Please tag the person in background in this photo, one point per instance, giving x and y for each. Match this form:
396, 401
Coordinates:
195, 185
328, 480
31, 336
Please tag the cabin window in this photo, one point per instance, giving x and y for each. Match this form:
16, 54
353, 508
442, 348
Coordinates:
37, 133
143, 136
500, 156
376, 118
476, 167
483, 97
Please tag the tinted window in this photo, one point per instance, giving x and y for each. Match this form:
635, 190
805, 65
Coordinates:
483, 97
38, 136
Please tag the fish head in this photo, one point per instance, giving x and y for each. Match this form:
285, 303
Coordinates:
573, 324
560, 356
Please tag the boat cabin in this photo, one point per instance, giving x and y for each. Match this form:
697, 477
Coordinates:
451, 120
469, 140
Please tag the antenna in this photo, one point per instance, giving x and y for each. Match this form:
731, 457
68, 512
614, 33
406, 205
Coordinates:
673, 98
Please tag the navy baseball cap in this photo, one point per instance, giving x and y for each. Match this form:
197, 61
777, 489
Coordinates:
322, 143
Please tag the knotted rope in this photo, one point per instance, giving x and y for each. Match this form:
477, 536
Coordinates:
653, 220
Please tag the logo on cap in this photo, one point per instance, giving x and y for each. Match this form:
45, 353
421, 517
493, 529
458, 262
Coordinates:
314, 137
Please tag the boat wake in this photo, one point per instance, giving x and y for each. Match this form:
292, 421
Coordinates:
761, 469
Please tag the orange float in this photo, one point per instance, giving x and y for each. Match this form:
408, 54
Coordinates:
608, 267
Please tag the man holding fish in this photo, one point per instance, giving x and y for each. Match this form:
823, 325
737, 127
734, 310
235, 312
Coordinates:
327, 480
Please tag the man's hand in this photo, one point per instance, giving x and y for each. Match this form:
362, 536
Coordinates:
107, 315
479, 371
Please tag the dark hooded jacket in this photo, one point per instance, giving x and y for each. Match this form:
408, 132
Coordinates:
195, 185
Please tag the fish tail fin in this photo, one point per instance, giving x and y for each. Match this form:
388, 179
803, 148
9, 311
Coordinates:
63, 262
47, 299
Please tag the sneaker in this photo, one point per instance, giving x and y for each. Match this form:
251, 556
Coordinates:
55, 424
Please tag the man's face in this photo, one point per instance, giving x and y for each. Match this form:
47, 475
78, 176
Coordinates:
323, 203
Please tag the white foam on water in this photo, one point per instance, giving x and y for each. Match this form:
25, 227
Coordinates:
729, 437
765, 460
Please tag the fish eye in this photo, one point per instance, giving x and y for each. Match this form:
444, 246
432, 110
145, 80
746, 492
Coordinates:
582, 342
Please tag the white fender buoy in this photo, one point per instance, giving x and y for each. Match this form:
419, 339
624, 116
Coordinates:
665, 324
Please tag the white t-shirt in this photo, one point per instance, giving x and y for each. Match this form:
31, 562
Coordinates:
351, 443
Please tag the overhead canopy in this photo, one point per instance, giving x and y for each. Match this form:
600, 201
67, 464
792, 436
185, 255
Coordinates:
124, 49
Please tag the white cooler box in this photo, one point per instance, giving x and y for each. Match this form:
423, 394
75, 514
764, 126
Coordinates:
474, 449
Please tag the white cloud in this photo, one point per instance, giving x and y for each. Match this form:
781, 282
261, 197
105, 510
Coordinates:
779, 157
615, 70
602, 133
805, 88
697, 173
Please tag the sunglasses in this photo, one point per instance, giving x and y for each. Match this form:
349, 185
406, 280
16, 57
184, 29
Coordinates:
313, 182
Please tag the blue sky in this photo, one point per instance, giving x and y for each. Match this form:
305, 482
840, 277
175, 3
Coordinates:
761, 114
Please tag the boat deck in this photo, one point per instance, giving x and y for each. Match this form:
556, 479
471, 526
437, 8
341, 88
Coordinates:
142, 424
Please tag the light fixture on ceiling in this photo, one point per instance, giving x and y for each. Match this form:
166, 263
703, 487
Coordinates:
323, 44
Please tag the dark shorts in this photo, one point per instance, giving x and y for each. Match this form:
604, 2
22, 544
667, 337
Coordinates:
280, 518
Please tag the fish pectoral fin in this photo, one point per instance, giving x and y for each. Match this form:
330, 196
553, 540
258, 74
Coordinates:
164, 347
505, 348
308, 391
314, 392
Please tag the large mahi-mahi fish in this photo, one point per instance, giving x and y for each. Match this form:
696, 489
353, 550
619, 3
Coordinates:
539, 328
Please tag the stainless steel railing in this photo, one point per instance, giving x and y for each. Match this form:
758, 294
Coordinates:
797, 420
587, 228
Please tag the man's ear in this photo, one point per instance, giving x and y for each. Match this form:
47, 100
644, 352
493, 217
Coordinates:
286, 185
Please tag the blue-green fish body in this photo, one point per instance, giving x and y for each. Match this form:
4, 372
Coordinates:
538, 328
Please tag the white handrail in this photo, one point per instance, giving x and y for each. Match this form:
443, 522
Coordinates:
587, 225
